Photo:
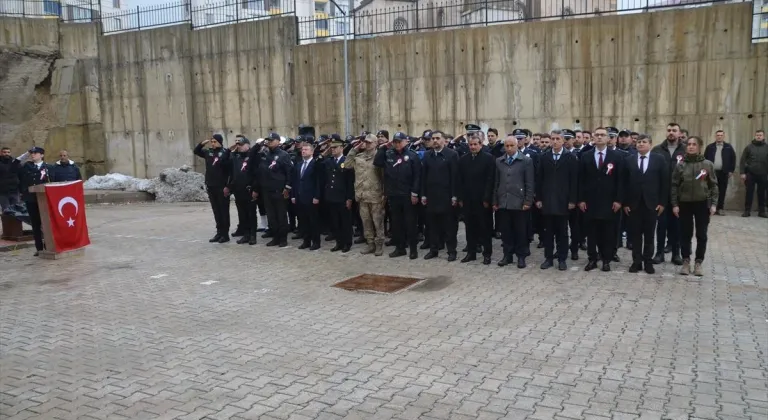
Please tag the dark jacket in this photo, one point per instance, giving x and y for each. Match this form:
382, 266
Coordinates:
308, 186
337, 181
514, 183
276, 171
694, 180
497, 150
402, 172
675, 158
244, 166
728, 155
217, 165
754, 160
9, 175
67, 171
652, 186
440, 179
30, 175
557, 182
600, 187
476, 176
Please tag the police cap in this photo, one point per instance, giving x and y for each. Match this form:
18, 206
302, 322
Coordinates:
519, 133
472, 128
400, 136
568, 134
613, 132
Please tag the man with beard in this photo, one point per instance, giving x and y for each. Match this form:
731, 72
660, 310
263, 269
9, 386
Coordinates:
495, 146
402, 172
276, 172
668, 227
600, 192
754, 173
556, 195
338, 186
217, 173
475, 191
9, 178
439, 185
242, 184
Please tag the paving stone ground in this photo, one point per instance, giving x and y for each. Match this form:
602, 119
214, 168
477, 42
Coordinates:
155, 323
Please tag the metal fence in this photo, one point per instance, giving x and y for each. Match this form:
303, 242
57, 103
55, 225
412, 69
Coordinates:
760, 21
69, 10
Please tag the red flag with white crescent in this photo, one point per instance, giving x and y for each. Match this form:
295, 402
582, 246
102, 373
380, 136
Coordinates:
66, 209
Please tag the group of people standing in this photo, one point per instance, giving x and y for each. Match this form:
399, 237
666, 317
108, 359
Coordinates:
598, 186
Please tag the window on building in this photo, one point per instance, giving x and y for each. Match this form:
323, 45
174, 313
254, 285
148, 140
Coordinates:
230, 18
401, 25
52, 7
116, 4
118, 24
341, 27
321, 24
253, 4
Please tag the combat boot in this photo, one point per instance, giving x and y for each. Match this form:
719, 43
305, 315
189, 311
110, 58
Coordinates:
370, 249
379, 249
686, 270
697, 270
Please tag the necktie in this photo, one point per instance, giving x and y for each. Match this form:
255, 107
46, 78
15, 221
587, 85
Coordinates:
642, 164
509, 161
303, 168
557, 157
600, 160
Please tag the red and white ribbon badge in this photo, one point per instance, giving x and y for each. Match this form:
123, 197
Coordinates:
702, 174
399, 161
216, 159
610, 169
242, 168
42, 174
679, 159
271, 165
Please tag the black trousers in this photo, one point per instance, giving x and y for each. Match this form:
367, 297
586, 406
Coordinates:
514, 231
403, 229
555, 231
621, 227
277, 215
478, 223
601, 238
642, 226
695, 212
755, 182
246, 212
534, 224
37, 225
443, 227
722, 188
220, 207
341, 223
575, 222
292, 214
668, 227
309, 222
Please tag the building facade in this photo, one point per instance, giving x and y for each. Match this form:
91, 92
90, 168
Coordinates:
67, 10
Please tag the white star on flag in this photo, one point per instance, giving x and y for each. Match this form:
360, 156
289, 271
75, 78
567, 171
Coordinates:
70, 222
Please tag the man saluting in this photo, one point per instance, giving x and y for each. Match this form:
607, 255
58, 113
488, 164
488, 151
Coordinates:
217, 174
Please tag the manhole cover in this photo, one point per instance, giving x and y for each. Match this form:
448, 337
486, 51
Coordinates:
377, 283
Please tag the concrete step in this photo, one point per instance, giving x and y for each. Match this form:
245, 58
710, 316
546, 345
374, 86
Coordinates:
116, 197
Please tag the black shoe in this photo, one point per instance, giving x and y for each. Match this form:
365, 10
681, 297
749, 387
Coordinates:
36, 254
486, 260
629, 246
451, 256
546, 264
345, 249
304, 245
414, 254
243, 240
583, 247
658, 259
252, 239
616, 258
540, 245
224, 239
468, 258
314, 247
283, 243
591, 266
330, 238
215, 238
575, 256
667, 249
507, 259
521, 262
562, 266
397, 253
267, 234
430, 255
273, 242
465, 249
635, 267
238, 232
389, 242
296, 236
360, 240
745, 214
676, 260
497, 235
762, 215
606, 266
649, 268
336, 248
425, 245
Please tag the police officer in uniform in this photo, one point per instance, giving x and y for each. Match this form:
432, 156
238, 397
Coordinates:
275, 174
34, 172
533, 224
242, 183
339, 192
217, 174
402, 172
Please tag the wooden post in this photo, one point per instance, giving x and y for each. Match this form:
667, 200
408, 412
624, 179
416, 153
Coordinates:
50, 252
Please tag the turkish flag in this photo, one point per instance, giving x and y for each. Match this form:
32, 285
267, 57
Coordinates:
66, 209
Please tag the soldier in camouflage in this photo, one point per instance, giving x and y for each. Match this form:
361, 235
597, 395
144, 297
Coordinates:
369, 193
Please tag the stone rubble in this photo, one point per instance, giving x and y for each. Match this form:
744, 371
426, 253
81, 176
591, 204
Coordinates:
174, 185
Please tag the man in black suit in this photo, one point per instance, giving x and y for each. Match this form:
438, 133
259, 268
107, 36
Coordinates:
556, 194
600, 191
305, 194
439, 185
646, 186
476, 171
338, 186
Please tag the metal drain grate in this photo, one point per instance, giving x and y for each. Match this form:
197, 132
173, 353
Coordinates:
377, 283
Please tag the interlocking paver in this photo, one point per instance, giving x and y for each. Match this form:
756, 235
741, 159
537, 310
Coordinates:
136, 329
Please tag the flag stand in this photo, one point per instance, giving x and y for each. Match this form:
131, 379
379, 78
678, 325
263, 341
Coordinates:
50, 252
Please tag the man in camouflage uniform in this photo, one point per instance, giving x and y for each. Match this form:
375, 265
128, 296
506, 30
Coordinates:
369, 193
